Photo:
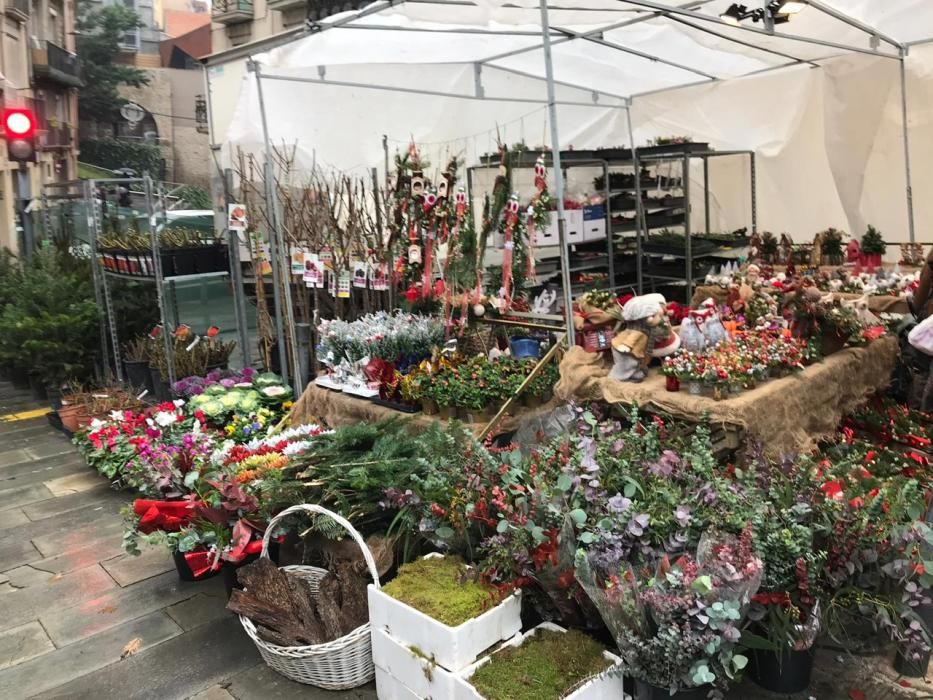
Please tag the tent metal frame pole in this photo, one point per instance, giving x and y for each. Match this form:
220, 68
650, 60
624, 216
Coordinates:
155, 231
590, 32
558, 175
639, 206
254, 67
667, 10
236, 275
640, 54
683, 86
906, 127
455, 30
740, 42
431, 93
562, 83
853, 22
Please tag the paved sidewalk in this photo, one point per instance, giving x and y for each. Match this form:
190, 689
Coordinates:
71, 600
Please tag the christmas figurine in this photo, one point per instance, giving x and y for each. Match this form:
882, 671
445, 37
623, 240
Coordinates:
632, 348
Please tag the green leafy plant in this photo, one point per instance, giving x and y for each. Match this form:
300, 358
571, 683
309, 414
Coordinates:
872, 242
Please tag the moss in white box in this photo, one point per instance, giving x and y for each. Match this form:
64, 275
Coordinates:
443, 588
546, 666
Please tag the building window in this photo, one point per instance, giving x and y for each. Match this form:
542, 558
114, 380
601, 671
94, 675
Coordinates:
131, 38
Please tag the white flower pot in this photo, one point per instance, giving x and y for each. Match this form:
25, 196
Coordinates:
453, 648
389, 688
606, 686
418, 674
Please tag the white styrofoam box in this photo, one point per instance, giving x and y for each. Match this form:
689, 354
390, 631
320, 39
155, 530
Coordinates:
594, 230
419, 674
389, 688
574, 225
573, 222
453, 648
606, 686
547, 236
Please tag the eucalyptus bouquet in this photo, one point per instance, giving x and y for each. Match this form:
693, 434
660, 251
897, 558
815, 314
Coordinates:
679, 627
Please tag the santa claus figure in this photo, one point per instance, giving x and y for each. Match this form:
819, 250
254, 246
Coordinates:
632, 349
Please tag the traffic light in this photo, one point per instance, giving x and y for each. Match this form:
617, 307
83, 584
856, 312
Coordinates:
19, 129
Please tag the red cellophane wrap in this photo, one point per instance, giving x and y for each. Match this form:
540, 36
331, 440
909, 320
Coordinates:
168, 516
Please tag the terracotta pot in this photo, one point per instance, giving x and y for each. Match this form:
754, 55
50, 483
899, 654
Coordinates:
69, 417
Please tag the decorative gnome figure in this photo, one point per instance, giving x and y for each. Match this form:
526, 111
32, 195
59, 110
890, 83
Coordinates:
702, 328
632, 349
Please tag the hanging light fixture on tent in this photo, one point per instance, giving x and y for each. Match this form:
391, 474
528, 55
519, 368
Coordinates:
779, 11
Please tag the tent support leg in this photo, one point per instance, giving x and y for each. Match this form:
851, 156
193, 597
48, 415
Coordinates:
906, 126
639, 207
558, 174
274, 252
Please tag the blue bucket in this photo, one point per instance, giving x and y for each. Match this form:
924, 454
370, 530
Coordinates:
523, 348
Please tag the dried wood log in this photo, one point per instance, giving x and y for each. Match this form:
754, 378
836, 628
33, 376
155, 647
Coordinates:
288, 630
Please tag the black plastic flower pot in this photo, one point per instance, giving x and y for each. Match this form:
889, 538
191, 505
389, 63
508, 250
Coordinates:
137, 374
160, 391
646, 691
786, 673
168, 264
54, 394
230, 570
184, 570
912, 668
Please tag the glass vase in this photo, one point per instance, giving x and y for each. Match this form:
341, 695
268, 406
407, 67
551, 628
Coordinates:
695, 387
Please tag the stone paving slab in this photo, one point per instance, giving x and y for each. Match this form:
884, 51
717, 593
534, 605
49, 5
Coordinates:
11, 457
11, 518
127, 569
61, 504
55, 445
74, 483
23, 643
64, 665
178, 668
38, 472
75, 529
103, 548
50, 598
24, 495
262, 683
17, 552
97, 613
199, 609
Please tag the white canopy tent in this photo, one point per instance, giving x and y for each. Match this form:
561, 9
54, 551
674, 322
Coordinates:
821, 97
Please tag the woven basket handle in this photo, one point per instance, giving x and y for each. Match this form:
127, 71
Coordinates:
345, 524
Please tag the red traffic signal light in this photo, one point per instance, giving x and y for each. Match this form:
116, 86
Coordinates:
19, 128
19, 123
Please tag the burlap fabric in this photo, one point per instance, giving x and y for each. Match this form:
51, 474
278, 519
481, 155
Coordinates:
786, 414
335, 409
878, 304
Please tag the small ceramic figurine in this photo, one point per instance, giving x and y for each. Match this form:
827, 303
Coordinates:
632, 348
816, 254
702, 328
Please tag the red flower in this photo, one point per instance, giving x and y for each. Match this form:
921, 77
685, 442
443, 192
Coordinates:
212, 331
411, 294
856, 502
874, 492
919, 569
832, 490
870, 455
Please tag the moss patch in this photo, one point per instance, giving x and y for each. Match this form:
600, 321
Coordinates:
547, 666
439, 588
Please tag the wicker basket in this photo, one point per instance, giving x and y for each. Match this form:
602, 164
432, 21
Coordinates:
338, 665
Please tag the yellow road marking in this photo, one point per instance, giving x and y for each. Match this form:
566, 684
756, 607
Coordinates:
25, 415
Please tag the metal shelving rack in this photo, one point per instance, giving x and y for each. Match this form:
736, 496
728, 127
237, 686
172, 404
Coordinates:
656, 159
155, 210
609, 159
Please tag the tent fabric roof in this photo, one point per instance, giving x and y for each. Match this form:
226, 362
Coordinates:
620, 47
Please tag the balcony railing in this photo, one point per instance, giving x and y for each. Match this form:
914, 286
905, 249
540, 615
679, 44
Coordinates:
17, 9
56, 137
284, 4
320, 9
51, 62
232, 11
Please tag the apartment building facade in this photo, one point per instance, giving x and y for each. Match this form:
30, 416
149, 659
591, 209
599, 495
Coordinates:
39, 70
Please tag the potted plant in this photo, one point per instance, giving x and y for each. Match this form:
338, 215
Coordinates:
136, 355
546, 663
438, 605
873, 248
831, 246
785, 613
678, 628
